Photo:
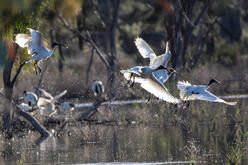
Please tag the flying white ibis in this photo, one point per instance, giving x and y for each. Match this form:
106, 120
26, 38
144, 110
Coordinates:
35, 46
144, 75
155, 61
199, 92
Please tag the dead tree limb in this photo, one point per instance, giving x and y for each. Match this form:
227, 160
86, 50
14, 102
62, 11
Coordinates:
201, 44
35, 123
41, 76
89, 66
85, 115
113, 53
17, 73
184, 14
87, 39
180, 25
8, 86
61, 128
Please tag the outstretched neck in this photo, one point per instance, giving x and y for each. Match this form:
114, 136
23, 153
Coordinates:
52, 50
213, 81
54, 44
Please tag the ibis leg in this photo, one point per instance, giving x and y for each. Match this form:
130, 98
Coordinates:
149, 98
131, 82
39, 67
35, 68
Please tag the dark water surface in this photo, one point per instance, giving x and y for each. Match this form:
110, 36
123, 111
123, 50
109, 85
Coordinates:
154, 133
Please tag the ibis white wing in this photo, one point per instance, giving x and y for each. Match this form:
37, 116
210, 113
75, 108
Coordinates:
30, 97
163, 59
154, 87
156, 61
167, 55
135, 70
24, 107
36, 42
66, 106
144, 49
182, 85
22, 40
45, 94
207, 96
43, 102
161, 75
59, 96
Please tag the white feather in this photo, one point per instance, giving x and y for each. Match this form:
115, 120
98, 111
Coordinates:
208, 96
150, 83
198, 92
49, 104
34, 44
161, 75
43, 93
45, 104
66, 106
182, 85
155, 61
59, 96
30, 97
144, 49
24, 107
157, 89
22, 40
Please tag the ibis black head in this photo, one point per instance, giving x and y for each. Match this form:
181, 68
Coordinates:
213, 81
161, 67
60, 44
29, 103
72, 105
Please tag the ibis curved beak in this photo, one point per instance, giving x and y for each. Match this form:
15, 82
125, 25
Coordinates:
174, 70
219, 82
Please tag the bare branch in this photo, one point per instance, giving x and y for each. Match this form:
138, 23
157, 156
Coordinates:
41, 76
201, 44
90, 111
61, 128
201, 14
89, 66
87, 39
185, 15
17, 73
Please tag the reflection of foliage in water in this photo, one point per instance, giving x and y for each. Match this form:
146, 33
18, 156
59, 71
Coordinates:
236, 147
203, 132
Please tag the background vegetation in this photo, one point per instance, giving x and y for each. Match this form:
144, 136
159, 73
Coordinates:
208, 39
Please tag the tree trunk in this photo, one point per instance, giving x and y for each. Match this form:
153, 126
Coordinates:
8, 90
8, 86
112, 43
